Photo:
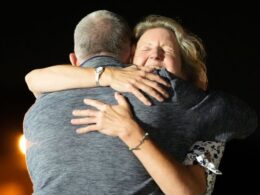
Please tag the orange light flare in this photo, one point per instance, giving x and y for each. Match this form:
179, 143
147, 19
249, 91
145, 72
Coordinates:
22, 144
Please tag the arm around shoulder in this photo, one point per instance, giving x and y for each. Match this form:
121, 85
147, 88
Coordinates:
59, 77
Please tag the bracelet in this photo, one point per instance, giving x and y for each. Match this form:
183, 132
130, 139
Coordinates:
145, 137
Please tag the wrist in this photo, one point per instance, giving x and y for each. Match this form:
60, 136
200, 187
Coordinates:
132, 135
98, 72
105, 78
138, 146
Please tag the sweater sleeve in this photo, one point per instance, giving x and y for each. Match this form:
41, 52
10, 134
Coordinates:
219, 115
227, 117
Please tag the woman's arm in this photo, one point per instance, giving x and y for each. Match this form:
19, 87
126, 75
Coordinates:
130, 79
59, 77
171, 176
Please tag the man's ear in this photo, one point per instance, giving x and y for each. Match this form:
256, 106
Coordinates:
73, 59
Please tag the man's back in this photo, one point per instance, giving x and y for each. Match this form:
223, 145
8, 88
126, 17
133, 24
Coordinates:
59, 159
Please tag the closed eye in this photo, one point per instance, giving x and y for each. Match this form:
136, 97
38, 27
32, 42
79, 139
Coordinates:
145, 49
169, 52
169, 49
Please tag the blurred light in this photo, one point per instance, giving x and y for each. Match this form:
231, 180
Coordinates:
22, 144
11, 189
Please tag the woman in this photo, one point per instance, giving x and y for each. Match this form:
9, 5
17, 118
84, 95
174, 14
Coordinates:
161, 43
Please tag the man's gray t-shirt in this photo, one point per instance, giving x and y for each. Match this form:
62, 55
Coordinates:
60, 161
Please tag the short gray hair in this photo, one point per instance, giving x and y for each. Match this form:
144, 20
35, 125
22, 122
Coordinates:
101, 31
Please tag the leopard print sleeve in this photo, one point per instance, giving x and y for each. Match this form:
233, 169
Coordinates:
207, 154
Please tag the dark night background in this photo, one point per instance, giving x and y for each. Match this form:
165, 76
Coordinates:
41, 34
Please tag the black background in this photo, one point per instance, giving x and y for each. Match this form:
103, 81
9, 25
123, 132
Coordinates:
41, 34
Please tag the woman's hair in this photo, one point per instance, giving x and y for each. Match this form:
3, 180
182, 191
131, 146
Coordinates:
191, 48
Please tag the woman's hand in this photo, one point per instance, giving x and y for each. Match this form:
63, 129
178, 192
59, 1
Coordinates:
112, 120
136, 79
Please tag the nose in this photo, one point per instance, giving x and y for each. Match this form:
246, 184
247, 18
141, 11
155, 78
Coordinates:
156, 54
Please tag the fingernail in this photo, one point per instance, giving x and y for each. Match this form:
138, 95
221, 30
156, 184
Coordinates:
148, 103
160, 99
78, 131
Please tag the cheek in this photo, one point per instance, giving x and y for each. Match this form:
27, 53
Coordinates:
174, 66
139, 60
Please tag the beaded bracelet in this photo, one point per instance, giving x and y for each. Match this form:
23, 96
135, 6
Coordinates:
145, 137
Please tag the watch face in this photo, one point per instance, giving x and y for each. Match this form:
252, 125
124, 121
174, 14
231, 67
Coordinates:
99, 69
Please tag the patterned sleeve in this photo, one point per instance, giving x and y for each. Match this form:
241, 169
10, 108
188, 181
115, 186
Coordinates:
207, 154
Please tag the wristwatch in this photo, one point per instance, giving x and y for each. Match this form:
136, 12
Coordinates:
99, 70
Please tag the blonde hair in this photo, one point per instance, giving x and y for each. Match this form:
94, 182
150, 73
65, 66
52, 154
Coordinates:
192, 50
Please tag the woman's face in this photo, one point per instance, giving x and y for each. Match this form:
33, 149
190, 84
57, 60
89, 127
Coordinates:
158, 46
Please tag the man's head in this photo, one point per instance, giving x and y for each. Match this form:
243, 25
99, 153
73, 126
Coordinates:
102, 33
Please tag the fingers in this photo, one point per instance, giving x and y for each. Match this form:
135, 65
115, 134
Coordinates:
95, 103
121, 100
132, 66
149, 87
156, 78
84, 113
153, 88
147, 72
139, 95
89, 121
86, 129
148, 68
83, 121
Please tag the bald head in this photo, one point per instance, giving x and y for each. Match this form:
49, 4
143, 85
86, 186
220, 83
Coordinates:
102, 33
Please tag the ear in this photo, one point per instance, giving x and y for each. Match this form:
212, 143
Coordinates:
73, 59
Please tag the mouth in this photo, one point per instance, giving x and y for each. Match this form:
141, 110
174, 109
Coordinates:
158, 65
